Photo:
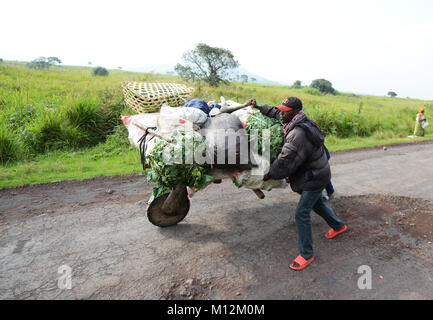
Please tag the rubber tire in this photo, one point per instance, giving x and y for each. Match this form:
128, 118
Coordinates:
160, 219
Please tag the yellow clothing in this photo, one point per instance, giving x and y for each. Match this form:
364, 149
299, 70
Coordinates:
419, 131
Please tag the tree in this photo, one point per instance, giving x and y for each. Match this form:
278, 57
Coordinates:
253, 79
206, 63
100, 71
297, 84
43, 62
39, 63
53, 60
244, 78
392, 94
323, 86
1, 60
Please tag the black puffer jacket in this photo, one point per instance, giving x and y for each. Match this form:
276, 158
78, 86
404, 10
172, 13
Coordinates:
302, 159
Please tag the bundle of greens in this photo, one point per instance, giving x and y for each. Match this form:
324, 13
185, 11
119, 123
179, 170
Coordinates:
259, 122
157, 191
167, 173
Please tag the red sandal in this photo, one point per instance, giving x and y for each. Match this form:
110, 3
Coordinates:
332, 233
301, 262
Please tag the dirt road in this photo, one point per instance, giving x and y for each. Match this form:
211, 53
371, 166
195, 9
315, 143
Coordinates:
231, 245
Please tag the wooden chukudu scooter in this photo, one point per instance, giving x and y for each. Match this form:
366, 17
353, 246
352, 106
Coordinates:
171, 208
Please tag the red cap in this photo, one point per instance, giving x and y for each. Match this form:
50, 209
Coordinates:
291, 103
283, 108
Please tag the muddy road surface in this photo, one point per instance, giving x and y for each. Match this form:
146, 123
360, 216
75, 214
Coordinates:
231, 245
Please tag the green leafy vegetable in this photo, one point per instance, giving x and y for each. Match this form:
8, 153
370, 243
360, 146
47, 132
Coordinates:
259, 122
170, 163
158, 191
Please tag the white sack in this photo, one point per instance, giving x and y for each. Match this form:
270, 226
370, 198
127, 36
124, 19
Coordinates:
253, 179
135, 133
174, 119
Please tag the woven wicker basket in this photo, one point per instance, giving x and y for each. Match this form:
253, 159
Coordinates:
145, 97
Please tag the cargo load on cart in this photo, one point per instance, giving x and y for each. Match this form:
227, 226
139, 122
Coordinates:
190, 144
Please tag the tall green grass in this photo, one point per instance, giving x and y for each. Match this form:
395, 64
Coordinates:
63, 108
9, 146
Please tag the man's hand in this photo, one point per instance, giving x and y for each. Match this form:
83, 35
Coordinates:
252, 103
266, 177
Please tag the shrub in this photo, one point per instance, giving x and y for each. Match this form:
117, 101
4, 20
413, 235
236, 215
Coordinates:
323, 86
10, 149
297, 84
86, 116
343, 123
49, 132
312, 91
100, 71
96, 122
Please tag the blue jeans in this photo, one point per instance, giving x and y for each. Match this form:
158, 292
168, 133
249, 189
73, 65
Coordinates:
312, 200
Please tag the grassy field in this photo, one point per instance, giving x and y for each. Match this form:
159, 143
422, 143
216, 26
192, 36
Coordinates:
64, 123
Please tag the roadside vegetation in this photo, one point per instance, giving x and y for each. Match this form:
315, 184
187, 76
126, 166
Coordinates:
64, 122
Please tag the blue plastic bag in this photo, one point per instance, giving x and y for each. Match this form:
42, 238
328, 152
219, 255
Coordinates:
200, 104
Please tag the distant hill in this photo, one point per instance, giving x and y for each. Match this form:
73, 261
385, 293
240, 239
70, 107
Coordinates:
234, 74
258, 79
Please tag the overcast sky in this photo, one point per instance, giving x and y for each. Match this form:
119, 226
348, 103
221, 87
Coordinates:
369, 47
